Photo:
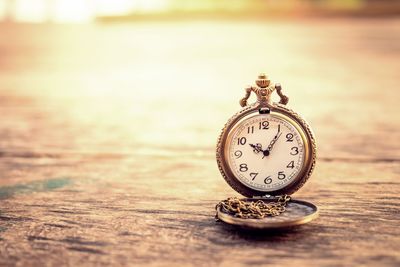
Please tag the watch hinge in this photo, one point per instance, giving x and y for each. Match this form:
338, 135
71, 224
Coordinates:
264, 111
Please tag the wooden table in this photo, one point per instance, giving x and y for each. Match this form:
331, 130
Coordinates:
108, 135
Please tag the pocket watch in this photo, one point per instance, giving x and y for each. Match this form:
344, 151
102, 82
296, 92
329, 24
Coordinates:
266, 152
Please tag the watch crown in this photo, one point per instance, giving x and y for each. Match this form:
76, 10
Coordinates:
263, 81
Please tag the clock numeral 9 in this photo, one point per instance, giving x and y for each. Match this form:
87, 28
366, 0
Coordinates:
243, 167
238, 153
290, 165
263, 125
268, 180
281, 175
242, 140
289, 137
294, 150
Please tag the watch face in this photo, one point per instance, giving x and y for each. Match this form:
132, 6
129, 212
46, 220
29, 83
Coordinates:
265, 152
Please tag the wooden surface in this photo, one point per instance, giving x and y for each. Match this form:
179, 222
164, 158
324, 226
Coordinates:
107, 139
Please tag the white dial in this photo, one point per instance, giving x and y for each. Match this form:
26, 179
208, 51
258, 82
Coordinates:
265, 152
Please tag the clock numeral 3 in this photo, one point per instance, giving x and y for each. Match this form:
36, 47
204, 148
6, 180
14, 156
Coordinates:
253, 175
294, 150
268, 180
243, 167
263, 125
281, 175
290, 165
242, 140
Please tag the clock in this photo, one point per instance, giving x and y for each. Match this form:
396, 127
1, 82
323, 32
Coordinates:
264, 152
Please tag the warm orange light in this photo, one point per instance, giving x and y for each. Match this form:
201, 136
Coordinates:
76, 10
115, 7
151, 5
30, 10
72, 11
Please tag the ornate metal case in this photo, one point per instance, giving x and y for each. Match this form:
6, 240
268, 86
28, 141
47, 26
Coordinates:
297, 212
277, 110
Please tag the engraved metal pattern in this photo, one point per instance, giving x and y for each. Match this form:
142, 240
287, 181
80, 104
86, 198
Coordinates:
263, 92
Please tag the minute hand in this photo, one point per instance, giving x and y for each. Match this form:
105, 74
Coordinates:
271, 145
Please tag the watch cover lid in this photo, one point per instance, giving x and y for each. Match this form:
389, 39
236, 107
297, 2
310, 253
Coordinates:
297, 212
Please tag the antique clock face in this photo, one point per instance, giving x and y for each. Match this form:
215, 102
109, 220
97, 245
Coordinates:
265, 152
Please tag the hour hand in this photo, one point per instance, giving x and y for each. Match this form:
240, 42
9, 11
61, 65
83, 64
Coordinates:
257, 148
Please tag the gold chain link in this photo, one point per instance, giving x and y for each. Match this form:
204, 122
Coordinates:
253, 209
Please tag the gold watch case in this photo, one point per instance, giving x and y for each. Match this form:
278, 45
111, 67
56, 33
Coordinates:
298, 211
284, 113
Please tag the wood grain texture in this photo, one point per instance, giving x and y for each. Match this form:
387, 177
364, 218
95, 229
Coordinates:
107, 139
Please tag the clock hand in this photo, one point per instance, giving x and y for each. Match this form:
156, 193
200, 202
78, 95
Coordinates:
265, 153
271, 144
257, 148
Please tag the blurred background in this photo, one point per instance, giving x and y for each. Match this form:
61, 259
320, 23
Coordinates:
89, 10
110, 113
163, 76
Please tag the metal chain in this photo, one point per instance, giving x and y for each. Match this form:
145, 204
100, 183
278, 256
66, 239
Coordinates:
253, 209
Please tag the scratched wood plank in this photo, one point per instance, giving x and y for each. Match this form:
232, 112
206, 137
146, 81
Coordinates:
107, 147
